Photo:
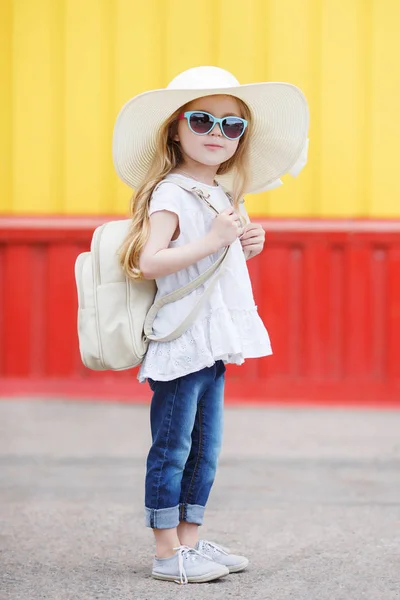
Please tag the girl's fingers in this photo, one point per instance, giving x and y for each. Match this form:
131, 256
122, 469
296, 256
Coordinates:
253, 248
251, 241
254, 227
252, 235
247, 235
251, 230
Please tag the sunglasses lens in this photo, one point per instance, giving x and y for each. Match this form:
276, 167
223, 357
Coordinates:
201, 122
233, 127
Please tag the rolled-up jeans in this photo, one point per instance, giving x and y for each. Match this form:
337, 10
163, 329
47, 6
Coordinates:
186, 418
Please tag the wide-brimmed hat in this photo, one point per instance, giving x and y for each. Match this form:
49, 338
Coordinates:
280, 120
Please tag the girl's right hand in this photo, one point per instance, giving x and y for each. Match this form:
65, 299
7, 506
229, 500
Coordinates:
226, 228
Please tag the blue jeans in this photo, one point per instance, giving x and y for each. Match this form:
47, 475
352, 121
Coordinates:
186, 425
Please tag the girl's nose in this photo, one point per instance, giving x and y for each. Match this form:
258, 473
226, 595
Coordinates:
217, 130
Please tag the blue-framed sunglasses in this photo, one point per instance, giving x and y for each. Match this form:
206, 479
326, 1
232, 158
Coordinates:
201, 123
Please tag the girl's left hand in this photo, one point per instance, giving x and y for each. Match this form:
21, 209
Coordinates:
252, 239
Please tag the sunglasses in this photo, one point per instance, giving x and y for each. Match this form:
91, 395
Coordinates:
201, 123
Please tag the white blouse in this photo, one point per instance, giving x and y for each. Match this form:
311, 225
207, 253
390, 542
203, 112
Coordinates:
228, 328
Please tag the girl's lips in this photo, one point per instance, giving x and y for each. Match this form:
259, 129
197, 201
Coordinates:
212, 146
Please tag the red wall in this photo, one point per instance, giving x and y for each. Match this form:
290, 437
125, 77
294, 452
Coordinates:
329, 293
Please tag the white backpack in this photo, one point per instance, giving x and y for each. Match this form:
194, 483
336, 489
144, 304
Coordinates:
116, 314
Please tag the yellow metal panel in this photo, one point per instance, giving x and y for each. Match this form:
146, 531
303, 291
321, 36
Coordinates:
384, 109
154, 42
290, 45
242, 28
36, 59
89, 89
189, 36
67, 67
344, 133
139, 47
5, 106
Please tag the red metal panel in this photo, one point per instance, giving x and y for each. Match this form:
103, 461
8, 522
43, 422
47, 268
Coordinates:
358, 330
329, 293
38, 303
18, 309
317, 316
336, 311
393, 314
379, 312
61, 310
274, 304
295, 321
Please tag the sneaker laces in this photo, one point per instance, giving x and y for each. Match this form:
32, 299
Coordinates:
186, 553
205, 545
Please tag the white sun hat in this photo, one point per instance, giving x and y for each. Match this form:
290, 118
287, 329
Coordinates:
280, 120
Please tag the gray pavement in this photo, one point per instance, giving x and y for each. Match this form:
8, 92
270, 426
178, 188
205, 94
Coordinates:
311, 496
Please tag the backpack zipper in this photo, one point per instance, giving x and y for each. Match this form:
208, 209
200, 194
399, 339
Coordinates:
97, 272
97, 281
78, 271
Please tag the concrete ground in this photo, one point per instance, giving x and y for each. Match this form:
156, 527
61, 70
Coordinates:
311, 496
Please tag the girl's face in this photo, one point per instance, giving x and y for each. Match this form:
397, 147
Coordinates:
213, 148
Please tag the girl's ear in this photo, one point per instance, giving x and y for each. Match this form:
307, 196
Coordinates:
173, 132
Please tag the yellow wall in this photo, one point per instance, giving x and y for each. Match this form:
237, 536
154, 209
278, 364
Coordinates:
67, 66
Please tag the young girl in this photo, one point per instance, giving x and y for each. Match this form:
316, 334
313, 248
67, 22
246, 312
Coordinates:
219, 136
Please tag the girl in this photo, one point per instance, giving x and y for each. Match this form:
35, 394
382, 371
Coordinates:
217, 135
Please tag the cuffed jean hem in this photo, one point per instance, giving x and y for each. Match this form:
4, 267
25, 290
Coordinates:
192, 513
162, 518
168, 518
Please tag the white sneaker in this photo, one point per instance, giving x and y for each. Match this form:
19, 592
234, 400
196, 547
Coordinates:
188, 565
222, 556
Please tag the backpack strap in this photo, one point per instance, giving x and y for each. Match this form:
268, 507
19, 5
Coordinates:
212, 275
199, 191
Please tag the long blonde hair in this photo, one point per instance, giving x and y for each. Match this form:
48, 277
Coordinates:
168, 156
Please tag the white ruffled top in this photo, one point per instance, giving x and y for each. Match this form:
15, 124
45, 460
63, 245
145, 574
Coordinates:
228, 328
